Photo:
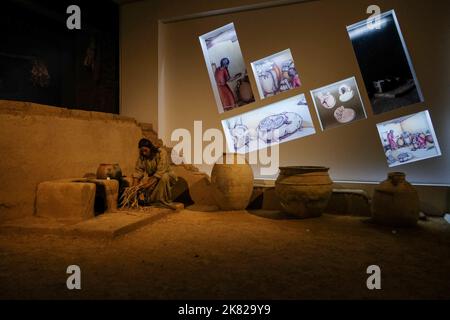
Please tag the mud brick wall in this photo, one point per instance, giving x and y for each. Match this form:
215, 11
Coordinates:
40, 143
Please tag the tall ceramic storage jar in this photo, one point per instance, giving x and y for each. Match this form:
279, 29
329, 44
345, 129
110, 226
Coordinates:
396, 202
232, 182
304, 191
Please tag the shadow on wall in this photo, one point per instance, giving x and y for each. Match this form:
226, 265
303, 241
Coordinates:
43, 62
180, 192
448, 200
193, 186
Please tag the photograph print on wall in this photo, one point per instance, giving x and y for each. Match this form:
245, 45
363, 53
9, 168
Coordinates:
226, 68
408, 139
385, 63
276, 74
276, 123
338, 103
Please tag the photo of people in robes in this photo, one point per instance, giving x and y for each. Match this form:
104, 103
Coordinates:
226, 68
408, 139
276, 74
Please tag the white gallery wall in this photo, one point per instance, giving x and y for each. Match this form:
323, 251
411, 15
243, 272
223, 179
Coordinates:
316, 34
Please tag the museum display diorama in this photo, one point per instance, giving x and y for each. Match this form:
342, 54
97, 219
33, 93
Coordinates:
207, 150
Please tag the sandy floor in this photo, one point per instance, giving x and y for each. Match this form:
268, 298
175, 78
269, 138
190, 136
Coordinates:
234, 256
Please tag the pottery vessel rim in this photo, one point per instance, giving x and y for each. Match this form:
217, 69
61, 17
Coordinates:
396, 174
236, 159
306, 168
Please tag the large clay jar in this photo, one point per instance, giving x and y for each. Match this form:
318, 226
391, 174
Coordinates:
396, 202
245, 91
106, 170
304, 191
232, 182
267, 83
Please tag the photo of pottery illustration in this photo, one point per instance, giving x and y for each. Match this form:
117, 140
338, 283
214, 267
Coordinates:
279, 126
245, 90
332, 112
270, 80
276, 123
344, 115
327, 100
346, 93
275, 74
240, 134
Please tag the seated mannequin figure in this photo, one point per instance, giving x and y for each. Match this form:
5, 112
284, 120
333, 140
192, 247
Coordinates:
153, 161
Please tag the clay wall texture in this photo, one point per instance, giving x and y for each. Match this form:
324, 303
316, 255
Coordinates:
40, 143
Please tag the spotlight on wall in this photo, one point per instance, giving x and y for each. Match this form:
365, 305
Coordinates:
361, 29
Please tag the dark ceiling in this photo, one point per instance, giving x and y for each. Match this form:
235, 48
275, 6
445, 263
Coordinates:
121, 2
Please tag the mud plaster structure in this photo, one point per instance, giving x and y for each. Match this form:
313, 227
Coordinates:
49, 144
195, 253
48, 150
45, 146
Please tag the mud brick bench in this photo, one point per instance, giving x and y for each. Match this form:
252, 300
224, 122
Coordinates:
76, 199
352, 202
68, 208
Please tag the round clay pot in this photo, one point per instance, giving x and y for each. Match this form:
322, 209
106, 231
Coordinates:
245, 91
396, 202
232, 182
304, 191
267, 83
106, 170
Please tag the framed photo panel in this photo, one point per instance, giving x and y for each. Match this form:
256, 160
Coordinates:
338, 104
385, 63
408, 139
226, 68
276, 123
276, 74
